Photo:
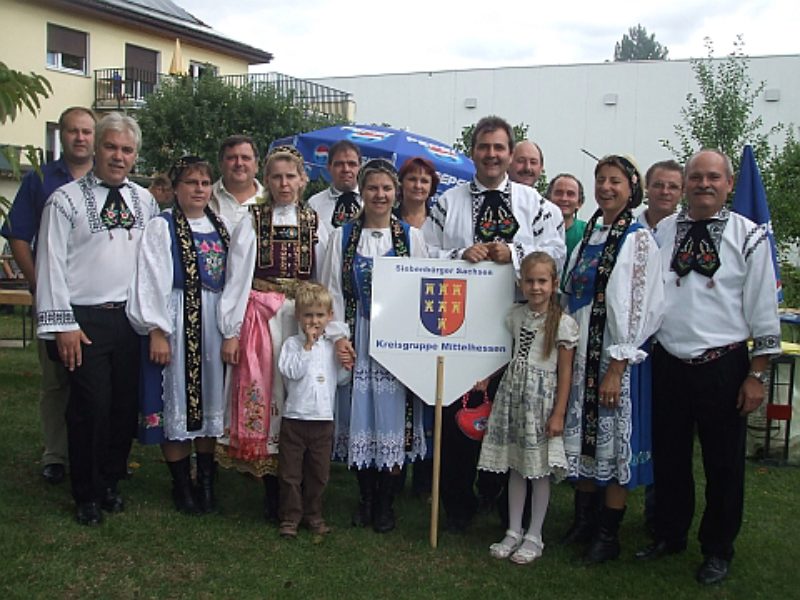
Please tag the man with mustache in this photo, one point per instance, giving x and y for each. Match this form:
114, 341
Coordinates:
76, 133
238, 188
85, 258
527, 164
493, 219
720, 293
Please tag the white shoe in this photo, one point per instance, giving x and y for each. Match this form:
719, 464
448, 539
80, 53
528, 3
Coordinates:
528, 551
506, 547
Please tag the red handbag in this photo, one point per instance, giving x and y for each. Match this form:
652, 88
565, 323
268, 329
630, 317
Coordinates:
472, 421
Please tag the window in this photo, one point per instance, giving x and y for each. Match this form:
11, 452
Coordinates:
66, 49
197, 70
141, 71
52, 143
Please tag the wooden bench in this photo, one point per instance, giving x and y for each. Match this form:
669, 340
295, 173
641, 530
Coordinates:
17, 296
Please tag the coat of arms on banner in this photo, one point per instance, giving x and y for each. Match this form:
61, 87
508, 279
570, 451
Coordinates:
442, 304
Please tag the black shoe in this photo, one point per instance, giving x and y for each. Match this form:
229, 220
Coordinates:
88, 513
53, 473
659, 549
367, 498
584, 526
713, 570
383, 520
605, 545
182, 492
206, 472
112, 501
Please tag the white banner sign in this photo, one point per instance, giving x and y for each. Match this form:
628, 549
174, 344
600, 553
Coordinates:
425, 308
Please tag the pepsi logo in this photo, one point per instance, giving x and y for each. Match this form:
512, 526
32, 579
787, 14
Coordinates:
321, 154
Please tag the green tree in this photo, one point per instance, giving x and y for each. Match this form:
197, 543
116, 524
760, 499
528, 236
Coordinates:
721, 115
191, 116
782, 180
637, 45
18, 92
464, 141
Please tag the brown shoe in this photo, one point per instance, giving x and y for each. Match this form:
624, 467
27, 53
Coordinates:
288, 529
318, 527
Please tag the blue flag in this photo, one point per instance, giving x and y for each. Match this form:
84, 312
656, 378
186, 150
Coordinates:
750, 200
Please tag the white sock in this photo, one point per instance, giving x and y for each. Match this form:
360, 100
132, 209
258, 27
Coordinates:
517, 490
540, 498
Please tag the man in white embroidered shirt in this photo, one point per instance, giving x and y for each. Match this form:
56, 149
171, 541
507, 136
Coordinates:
489, 219
238, 188
492, 218
719, 292
88, 240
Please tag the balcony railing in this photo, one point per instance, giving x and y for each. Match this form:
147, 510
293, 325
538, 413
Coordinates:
311, 96
123, 87
128, 87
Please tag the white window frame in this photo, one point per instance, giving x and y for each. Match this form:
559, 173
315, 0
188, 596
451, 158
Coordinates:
55, 60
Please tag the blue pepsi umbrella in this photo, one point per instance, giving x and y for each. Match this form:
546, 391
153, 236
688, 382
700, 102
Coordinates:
395, 145
750, 200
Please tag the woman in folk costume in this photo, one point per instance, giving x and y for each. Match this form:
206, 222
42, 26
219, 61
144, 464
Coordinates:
284, 242
174, 299
382, 433
615, 292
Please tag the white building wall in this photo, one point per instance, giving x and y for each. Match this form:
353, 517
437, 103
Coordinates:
563, 105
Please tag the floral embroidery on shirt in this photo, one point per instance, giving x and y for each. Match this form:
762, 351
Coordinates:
212, 258
583, 275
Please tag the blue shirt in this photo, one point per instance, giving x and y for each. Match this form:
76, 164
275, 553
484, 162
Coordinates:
26, 212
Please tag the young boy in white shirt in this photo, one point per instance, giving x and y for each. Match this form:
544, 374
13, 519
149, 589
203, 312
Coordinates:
311, 371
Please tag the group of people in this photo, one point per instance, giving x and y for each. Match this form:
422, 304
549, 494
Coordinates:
235, 326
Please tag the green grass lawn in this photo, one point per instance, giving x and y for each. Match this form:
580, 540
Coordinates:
150, 551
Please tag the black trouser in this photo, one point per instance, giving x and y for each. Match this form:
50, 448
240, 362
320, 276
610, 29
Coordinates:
705, 395
459, 463
103, 402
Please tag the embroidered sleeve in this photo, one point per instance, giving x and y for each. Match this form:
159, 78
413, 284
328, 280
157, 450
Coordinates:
53, 306
433, 232
634, 298
548, 238
759, 294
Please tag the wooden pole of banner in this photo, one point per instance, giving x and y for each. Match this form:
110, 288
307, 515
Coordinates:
437, 451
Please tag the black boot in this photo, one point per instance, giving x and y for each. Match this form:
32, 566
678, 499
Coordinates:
206, 471
270, 497
585, 524
182, 494
362, 517
383, 519
605, 545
